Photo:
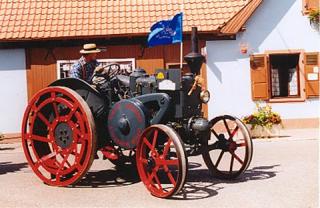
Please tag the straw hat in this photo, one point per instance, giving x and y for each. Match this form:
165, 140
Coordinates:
90, 48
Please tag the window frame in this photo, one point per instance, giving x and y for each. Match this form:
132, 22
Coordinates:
301, 78
298, 79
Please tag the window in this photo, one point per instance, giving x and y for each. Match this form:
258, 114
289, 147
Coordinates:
283, 76
64, 66
308, 5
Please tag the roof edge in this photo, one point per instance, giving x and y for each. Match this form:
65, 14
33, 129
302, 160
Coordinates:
234, 25
106, 37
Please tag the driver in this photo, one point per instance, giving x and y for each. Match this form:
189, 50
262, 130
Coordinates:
87, 64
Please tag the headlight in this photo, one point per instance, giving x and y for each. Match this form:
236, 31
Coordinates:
205, 96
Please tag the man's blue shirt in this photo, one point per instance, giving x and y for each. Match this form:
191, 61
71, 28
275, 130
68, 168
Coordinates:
83, 70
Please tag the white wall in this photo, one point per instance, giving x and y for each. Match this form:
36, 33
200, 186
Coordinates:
276, 25
13, 89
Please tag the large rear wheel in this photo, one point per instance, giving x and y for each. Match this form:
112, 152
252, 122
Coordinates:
161, 161
228, 150
58, 136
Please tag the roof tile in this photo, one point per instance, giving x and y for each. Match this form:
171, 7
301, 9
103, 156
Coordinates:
42, 19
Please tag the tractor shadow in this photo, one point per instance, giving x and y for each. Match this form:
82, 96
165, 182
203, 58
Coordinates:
200, 184
118, 176
9, 167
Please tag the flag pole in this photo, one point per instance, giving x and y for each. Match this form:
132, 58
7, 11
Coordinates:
181, 54
181, 43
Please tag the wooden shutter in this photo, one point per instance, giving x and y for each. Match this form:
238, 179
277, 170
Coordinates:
259, 77
311, 69
309, 5
150, 65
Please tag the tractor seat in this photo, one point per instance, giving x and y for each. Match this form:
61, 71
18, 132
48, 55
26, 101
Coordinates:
123, 79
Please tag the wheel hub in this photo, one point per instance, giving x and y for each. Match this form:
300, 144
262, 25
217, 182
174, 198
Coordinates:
63, 135
151, 163
124, 125
225, 144
232, 146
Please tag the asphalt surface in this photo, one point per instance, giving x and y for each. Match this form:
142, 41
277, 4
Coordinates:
284, 172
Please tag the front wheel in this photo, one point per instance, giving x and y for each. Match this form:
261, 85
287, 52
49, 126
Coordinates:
58, 136
228, 150
161, 161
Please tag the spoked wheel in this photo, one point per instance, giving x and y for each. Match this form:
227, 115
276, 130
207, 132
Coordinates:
58, 136
161, 161
228, 151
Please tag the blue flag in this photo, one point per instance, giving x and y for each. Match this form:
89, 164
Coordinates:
166, 31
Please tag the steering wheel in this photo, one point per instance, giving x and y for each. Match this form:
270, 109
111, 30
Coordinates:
107, 72
106, 78
112, 70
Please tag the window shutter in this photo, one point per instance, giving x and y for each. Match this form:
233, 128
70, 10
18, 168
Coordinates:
259, 77
309, 5
150, 65
311, 69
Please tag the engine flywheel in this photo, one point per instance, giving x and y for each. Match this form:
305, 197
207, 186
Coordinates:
126, 122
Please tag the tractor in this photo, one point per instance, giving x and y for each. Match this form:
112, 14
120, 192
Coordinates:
152, 121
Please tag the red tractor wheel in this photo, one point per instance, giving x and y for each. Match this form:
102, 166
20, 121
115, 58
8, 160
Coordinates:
161, 161
228, 151
58, 136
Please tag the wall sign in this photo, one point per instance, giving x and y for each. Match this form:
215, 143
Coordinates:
312, 76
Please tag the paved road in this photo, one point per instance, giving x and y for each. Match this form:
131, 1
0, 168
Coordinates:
283, 173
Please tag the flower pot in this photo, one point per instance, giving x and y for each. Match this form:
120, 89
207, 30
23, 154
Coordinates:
264, 132
315, 25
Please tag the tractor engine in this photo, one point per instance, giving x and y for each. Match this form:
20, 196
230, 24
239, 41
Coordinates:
168, 97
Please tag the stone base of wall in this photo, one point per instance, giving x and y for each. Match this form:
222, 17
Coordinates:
12, 136
302, 123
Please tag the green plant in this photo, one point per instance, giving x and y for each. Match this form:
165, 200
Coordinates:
263, 116
314, 16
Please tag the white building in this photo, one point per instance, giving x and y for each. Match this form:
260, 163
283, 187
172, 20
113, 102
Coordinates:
279, 32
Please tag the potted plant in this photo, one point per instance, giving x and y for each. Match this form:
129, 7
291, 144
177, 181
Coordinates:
314, 18
263, 122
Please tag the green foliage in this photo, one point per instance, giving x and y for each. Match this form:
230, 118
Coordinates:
314, 16
263, 116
